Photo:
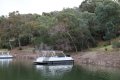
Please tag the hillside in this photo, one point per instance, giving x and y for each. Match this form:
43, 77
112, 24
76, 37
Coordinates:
72, 29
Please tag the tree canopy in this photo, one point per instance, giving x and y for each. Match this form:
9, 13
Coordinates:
72, 29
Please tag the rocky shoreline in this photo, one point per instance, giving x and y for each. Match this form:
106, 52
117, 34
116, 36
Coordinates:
108, 59
20, 54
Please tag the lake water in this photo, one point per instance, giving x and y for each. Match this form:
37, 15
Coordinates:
25, 70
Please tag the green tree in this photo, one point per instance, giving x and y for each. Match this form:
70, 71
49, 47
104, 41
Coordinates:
108, 15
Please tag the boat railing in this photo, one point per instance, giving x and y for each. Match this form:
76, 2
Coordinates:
53, 54
48, 54
4, 53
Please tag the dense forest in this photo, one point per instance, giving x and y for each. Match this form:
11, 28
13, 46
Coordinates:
72, 29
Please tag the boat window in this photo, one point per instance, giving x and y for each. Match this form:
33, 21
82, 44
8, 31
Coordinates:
60, 54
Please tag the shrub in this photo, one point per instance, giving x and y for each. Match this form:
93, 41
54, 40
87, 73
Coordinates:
116, 44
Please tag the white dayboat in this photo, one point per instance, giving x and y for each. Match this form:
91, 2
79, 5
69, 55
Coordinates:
54, 57
5, 55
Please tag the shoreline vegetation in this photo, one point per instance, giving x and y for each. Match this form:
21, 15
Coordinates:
71, 29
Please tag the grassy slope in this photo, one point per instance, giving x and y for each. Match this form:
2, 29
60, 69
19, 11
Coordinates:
101, 46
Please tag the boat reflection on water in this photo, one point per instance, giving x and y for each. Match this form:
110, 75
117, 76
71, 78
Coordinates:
5, 62
53, 70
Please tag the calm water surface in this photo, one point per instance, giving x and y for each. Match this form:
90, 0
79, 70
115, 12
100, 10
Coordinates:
22, 70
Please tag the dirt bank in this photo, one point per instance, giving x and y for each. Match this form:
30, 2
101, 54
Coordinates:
24, 54
109, 59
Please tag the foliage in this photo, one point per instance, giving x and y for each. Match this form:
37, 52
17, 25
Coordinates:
108, 15
116, 44
72, 29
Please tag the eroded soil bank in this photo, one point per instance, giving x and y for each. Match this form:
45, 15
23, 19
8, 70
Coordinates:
108, 59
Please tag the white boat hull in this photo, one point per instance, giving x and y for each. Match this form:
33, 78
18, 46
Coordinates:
54, 61
6, 57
